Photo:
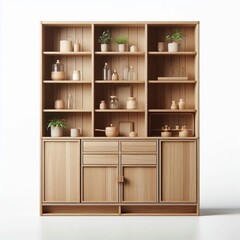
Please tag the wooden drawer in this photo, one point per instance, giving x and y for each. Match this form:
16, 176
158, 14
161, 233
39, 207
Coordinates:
97, 159
139, 146
139, 159
100, 146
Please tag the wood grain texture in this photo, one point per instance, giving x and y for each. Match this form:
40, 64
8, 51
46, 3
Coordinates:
100, 184
178, 171
98, 159
139, 146
139, 184
62, 171
139, 159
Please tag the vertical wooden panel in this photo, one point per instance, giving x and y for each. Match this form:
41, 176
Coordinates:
100, 184
139, 184
178, 176
62, 171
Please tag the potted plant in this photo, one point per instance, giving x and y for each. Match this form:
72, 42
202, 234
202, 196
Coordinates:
175, 38
121, 41
57, 126
105, 39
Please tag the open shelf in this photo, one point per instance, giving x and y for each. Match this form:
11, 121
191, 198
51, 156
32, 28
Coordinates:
68, 81
171, 53
68, 53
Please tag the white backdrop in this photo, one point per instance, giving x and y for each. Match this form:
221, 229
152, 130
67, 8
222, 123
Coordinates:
20, 90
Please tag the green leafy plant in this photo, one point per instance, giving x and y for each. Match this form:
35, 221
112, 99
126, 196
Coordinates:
57, 123
121, 40
105, 38
175, 36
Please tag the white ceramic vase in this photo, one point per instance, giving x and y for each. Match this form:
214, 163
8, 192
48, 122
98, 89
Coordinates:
173, 47
104, 47
121, 47
174, 105
56, 132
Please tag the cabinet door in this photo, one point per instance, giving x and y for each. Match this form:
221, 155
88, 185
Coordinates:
139, 184
61, 171
178, 171
100, 184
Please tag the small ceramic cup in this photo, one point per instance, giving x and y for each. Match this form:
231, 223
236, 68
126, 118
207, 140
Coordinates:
161, 46
75, 132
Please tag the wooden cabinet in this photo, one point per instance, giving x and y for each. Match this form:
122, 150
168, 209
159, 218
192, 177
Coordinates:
139, 184
148, 174
100, 167
178, 171
100, 184
61, 171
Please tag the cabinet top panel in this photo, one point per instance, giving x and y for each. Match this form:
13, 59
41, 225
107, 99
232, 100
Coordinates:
120, 23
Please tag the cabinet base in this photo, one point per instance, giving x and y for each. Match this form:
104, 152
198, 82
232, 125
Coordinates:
141, 210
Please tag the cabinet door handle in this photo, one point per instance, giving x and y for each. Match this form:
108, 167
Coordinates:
120, 179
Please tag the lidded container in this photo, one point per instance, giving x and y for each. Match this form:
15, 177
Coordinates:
131, 103
114, 102
58, 71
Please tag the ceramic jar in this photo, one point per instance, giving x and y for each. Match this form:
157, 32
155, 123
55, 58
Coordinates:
133, 48
65, 46
174, 105
76, 75
131, 103
161, 46
181, 104
58, 71
59, 104
102, 105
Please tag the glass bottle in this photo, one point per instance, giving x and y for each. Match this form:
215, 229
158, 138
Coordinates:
114, 102
115, 75
105, 71
131, 74
181, 103
125, 70
70, 101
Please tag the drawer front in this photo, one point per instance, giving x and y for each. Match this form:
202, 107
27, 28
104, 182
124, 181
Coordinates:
139, 159
100, 146
98, 159
139, 146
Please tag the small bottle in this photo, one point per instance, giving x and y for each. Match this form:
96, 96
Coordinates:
131, 74
70, 101
174, 105
125, 70
105, 71
76, 46
109, 74
102, 105
181, 104
115, 75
